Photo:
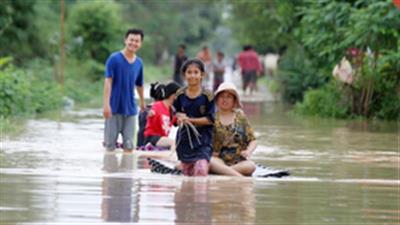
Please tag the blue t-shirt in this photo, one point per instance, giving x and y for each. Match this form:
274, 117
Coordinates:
124, 76
201, 106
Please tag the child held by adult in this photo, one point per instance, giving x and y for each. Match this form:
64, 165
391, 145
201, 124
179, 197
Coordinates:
195, 116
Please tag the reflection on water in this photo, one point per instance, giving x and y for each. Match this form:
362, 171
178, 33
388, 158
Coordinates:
342, 173
181, 200
119, 202
215, 201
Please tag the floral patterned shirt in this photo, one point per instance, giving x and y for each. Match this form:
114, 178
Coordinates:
230, 140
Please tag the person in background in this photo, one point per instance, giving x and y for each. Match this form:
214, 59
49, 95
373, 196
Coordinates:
195, 114
219, 70
250, 65
206, 57
180, 58
161, 117
233, 137
124, 71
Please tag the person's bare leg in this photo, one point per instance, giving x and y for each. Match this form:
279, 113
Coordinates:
252, 88
218, 166
168, 143
128, 150
245, 168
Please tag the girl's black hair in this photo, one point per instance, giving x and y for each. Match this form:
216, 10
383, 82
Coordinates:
157, 91
189, 62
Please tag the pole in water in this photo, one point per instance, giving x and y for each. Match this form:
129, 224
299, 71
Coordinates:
62, 44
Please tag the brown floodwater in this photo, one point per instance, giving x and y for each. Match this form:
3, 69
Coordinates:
343, 172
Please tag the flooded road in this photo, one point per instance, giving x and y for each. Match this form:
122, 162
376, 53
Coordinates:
343, 172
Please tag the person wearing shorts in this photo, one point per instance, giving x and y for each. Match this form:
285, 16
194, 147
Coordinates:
124, 71
250, 66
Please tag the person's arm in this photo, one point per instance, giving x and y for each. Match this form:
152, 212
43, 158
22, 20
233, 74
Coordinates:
249, 136
106, 97
259, 66
202, 121
140, 91
109, 71
250, 149
209, 117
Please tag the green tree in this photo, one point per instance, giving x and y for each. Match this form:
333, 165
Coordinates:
18, 36
329, 28
267, 25
168, 23
96, 29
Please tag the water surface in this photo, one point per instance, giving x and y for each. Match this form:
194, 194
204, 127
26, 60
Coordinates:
343, 172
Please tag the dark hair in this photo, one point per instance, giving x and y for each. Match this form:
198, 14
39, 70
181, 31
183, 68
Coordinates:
157, 91
220, 53
189, 62
182, 46
134, 31
247, 47
160, 91
171, 88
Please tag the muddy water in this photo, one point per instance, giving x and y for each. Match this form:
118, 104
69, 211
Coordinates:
342, 173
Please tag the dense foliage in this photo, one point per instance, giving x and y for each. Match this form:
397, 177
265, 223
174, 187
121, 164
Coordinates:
169, 23
312, 36
30, 36
95, 30
21, 93
317, 34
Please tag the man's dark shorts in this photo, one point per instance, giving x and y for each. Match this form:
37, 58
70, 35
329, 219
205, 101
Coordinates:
249, 77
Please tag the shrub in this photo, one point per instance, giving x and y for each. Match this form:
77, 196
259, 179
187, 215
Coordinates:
324, 102
21, 93
297, 74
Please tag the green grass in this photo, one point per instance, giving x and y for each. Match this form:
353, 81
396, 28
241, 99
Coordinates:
154, 73
11, 126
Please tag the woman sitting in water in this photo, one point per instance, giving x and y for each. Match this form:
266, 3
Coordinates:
160, 117
233, 137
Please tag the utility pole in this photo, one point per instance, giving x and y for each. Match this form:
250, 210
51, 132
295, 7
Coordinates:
62, 45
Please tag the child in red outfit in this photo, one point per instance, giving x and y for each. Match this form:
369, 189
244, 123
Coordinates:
160, 118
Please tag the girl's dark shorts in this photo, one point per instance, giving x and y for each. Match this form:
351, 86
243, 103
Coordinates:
152, 139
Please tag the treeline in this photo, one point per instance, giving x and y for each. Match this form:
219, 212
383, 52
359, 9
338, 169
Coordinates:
312, 37
30, 76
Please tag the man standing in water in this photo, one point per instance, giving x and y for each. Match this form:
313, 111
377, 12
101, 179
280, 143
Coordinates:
124, 71
250, 65
180, 58
205, 56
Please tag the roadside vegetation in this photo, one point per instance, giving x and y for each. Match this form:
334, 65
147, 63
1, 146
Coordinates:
310, 36
31, 81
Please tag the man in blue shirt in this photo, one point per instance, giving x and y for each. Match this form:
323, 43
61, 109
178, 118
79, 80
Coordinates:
124, 71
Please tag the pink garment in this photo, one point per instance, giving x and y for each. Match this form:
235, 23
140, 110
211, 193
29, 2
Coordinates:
196, 168
248, 61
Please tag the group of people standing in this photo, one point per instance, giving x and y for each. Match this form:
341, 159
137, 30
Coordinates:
247, 60
214, 134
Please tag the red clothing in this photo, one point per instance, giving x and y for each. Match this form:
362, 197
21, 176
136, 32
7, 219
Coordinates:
160, 123
248, 61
